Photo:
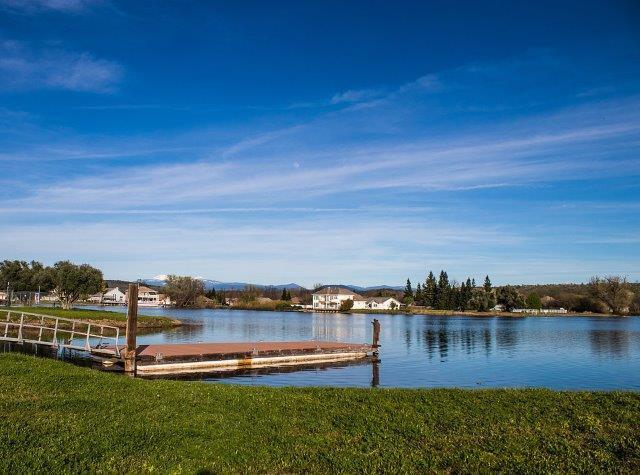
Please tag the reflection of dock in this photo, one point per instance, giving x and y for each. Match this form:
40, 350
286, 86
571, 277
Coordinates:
230, 372
206, 357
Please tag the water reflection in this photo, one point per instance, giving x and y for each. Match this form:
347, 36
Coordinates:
425, 351
610, 343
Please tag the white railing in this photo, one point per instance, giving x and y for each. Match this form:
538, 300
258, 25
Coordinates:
58, 332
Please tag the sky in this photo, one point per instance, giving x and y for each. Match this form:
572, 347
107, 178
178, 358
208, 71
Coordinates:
322, 141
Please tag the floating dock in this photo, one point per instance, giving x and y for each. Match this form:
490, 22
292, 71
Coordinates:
205, 357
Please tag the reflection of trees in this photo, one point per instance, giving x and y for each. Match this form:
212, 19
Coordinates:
612, 343
486, 338
507, 335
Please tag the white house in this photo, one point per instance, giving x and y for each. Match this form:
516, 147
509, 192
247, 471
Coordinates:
382, 303
330, 298
147, 297
114, 295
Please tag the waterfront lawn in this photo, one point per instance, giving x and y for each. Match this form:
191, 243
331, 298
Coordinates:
60, 418
103, 316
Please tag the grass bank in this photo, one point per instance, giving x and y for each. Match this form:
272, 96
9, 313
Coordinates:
61, 418
105, 317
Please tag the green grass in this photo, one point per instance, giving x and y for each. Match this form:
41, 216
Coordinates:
105, 316
61, 418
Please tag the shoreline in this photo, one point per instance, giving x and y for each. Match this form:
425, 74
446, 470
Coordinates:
99, 317
433, 313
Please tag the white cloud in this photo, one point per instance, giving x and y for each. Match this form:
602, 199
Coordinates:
26, 68
355, 95
36, 6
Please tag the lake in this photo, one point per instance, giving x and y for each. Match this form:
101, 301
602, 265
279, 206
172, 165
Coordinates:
433, 351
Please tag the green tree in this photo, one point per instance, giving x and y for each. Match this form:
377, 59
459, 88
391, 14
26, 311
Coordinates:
481, 301
429, 290
183, 290
509, 297
467, 292
73, 281
346, 305
443, 291
24, 276
419, 295
408, 293
285, 295
487, 284
534, 301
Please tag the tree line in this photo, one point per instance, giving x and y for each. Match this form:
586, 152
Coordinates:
608, 294
69, 281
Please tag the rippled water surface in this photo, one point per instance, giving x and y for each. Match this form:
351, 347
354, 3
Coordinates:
434, 351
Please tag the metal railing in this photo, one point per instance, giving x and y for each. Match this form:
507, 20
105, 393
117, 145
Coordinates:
58, 332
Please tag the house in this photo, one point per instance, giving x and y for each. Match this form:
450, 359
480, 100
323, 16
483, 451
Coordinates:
95, 298
147, 297
330, 298
382, 303
114, 296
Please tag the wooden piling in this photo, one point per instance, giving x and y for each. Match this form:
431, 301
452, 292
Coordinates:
376, 334
132, 324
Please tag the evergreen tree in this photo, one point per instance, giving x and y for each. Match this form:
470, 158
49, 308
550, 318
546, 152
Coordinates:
286, 295
429, 290
408, 293
487, 284
467, 292
419, 295
443, 291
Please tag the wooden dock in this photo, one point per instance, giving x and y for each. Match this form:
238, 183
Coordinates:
102, 343
204, 357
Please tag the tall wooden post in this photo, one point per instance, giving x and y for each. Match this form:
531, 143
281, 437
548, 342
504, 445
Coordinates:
132, 324
376, 334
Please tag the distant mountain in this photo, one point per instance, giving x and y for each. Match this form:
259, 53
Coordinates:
209, 284
357, 288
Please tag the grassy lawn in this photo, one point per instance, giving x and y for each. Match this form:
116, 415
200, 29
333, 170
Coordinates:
104, 316
57, 417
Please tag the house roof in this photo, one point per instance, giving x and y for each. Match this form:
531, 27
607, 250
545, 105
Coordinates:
142, 288
380, 299
111, 289
334, 291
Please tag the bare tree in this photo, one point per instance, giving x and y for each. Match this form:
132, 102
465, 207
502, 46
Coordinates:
183, 290
613, 292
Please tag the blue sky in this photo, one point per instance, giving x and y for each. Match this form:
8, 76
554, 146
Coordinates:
359, 142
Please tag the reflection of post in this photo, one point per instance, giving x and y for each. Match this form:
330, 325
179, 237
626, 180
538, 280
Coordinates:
376, 334
132, 323
375, 374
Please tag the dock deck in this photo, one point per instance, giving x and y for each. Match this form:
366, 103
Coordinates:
197, 357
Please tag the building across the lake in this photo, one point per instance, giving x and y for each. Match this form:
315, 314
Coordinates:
147, 297
114, 296
330, 298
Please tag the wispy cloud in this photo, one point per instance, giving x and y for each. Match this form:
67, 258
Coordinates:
25, 68
355, 95
36, 6
363, 179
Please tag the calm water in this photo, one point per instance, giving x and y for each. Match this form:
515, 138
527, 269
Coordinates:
432, 351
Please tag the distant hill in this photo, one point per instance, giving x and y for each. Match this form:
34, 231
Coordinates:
357, 288
159, 281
